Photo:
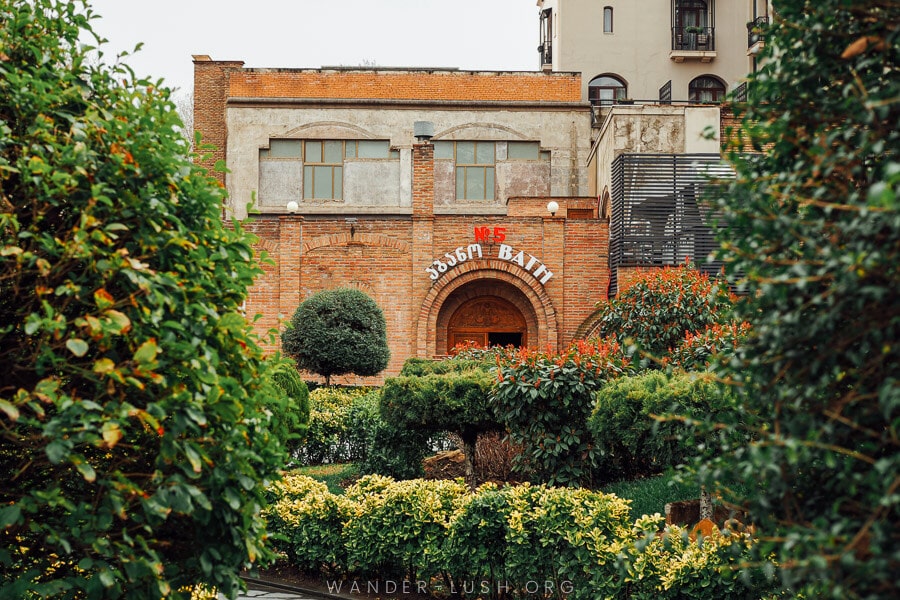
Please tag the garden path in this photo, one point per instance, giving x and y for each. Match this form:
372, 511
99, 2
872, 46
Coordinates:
259, 593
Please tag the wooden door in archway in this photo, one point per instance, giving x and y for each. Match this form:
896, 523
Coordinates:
487, 321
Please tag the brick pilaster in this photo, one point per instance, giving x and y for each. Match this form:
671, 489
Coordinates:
289, 261
210, 95
422, 233
554, 236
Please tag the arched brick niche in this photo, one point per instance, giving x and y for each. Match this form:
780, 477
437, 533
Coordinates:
481, 278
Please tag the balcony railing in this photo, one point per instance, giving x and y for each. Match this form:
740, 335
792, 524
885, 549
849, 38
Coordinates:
546, 52
694, 38
756, 31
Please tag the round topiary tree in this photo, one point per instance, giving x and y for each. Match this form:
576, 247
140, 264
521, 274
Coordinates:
335, 332
134, 443
437, 396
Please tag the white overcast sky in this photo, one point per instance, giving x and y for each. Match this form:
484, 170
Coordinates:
488, 35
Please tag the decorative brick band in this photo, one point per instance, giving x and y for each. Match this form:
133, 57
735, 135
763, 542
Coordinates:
406, 85
365, 239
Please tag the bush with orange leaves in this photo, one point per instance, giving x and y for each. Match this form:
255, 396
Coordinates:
544, 399
663, 305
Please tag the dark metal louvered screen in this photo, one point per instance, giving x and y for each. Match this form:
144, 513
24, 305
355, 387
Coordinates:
658, 216
665, 93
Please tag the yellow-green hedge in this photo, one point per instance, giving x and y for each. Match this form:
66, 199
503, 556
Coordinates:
526, 540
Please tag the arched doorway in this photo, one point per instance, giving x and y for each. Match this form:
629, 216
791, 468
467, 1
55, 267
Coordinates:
487, 321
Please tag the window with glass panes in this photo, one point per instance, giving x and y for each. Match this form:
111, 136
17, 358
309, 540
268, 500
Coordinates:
474, 170
706, 89
323, 169
323, 164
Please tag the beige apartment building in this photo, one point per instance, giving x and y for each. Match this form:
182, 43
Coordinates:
647, 50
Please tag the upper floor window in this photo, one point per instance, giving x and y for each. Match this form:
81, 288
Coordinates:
606, 89
474, 163
607, 19
706, 89
691, 13
323, 161
323, 169
546, 46
693, 25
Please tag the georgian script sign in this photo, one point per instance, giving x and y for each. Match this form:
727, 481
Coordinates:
504, 252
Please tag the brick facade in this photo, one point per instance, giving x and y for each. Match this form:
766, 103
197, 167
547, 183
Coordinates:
551, 269
464, 86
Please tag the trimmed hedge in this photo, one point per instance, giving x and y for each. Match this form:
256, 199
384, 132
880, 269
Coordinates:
630, 441
516, 541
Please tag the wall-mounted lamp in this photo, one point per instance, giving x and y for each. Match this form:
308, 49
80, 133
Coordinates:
423, 131
552, 207
293, 207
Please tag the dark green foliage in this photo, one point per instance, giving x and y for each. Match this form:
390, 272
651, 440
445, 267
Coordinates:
336, 332
661, 306
450, 401
134, 437
630, 442
394, 452
699, 348
290, 410
821, 254
544, 400
445, 396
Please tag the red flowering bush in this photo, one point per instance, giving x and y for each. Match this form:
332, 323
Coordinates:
662, 306
545, 399
698, 347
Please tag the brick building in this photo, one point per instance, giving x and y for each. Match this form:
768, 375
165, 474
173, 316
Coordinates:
450, 233
494, 207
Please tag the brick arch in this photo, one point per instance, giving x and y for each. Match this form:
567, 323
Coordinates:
590, 326
331, 129
451, 133
486, 277
365, 239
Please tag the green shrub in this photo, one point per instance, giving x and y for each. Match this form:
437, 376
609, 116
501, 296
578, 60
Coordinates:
698, 348
475, 550
667, 563
363, 419
398, 528
307, 523
566, 537
630, 442
515, 541
544, 401
661, 306
329, 431
335, 332
394, 451
819, 216
290, 410
446, 396
134, 434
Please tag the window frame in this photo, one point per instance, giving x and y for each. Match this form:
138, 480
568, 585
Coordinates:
620, 92
608, 19
469, 171
720, 90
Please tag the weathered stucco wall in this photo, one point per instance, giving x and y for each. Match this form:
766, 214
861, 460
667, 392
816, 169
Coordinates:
384, 185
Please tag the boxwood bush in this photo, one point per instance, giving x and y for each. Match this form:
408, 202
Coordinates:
628, 438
